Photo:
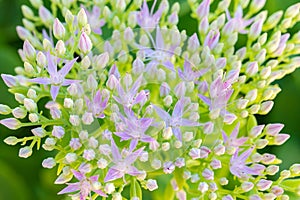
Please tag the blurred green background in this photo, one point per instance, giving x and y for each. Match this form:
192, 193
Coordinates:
25, 179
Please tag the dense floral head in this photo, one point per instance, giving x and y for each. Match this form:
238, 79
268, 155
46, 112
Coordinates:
149, 105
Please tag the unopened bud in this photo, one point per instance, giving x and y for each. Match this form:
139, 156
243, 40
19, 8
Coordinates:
252, 68
257, 5
247, 186
256, 131
45, 16
85, 44
11, 140
58, 29
255, 29
11, 123
4, 109
29, 50
49, 163
272, 169
263, 184
27, 12
25, 152
82, 18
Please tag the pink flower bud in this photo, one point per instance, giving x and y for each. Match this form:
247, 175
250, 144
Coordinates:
29, 50
277, 190
273, 129
212, 39
180, 90
203, 187
208, 128
194, 153
89, 154
247, 186
169, 167
180, 162
203, 26
255, 29
252, 68
48, 163
216, 164
58, 29
58, 132
11, 123
23, 33
151, 184
203, 9
268, 158
272, 169
263, 184
45, 15
193, 43
208, 174
39, 132
75, 143
256, 131
4, 109
25, 152
279, 139
85, 44
266, 107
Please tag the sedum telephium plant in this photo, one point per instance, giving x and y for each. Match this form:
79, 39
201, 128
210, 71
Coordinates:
135, 104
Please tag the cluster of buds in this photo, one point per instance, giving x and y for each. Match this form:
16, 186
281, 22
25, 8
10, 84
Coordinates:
124, 98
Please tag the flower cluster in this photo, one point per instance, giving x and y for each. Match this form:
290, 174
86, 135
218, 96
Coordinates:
131, 100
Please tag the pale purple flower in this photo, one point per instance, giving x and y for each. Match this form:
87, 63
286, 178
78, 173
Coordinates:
161, 54
238, 165
57, 78
134, 129
97, 105
238, 23
85, 185
219, 92
94, 20
232, 140
146, 18
130, 97
188, 74
203, 9
212, 39
121, 165
176, 120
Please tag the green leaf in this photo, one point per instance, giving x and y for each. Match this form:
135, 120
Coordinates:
135, 189
169, 192
291, 185
251, 122
179, 177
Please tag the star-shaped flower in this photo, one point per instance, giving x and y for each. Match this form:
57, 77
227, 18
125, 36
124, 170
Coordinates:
176, 120
232, 140
85, 185
121, 165
94, 20
57, 78
146, 19
238, 22
134, 129
238, 165
130, 97
97, 105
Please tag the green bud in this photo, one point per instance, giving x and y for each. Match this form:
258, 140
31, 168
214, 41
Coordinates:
4, 109
11, 140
